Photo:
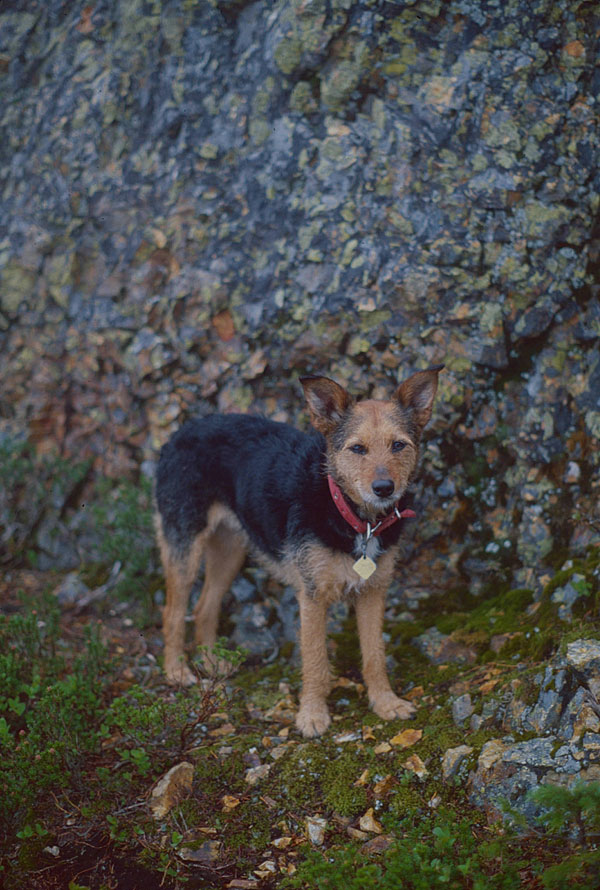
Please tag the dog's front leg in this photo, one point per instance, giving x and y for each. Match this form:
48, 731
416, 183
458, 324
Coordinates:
370, 607
313, 716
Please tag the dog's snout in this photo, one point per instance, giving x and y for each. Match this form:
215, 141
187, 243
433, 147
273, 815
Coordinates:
383, 488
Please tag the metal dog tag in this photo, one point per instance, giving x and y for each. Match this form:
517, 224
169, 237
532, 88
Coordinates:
364, 567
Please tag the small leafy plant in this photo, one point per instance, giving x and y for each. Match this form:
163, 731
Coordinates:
32, 486
440, 851
573, 815
124, 513
47, 709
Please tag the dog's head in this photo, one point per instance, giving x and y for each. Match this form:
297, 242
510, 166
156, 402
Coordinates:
372, 445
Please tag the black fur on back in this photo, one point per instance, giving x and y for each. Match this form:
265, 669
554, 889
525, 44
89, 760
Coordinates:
271, 475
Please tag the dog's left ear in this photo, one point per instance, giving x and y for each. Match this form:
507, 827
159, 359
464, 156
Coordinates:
327, 402
418, 392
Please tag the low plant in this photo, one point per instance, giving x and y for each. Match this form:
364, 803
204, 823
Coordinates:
124, 513
48, 711
32, 486
573, 816
439, 851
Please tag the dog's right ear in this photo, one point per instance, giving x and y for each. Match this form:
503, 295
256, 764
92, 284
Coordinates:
327, 402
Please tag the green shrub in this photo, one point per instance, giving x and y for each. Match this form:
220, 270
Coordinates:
572, 814
124, 513
440, 851
48, 712
31, 487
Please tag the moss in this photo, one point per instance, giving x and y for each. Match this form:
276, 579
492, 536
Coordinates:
339, 792
502, 613
316, 775
439, 735
288, 53
245, 829
406, 799
347, 649
299, 776
302, 99
345, 76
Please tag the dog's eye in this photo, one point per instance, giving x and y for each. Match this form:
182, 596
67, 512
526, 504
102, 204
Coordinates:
398, 446
358, 449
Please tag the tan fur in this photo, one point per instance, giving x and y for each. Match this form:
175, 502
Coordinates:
376, 426
223, 546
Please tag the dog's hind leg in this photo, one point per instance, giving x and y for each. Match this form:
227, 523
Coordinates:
181, 569
224, 553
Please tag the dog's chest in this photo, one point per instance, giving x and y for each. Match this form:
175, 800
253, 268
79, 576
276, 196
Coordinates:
365, 565
369, 549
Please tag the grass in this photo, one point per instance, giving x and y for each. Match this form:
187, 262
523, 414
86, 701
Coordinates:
88, 726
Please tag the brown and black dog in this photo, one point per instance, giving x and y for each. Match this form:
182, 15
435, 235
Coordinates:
323, 511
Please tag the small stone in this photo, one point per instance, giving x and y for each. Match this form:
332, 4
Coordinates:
377, 845
343, 737
256, 773
498, 641
356, 834
368, 822
315, 829
205, 854
490, 753
406, 738
462, 708
567, 595
243, 590
384, 785
591, 742
440, 648
266, 869
452, 760
71, 590
584, 656
363, 779
282, 843
414, 764
171, 788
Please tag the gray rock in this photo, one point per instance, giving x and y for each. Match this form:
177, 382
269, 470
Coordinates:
567, 595
71, 590
566, 717
243, 590
584, 657
279, 170
440, 648
462, 708
252, 632
452, 760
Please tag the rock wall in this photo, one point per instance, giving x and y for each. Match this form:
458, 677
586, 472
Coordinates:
202, 200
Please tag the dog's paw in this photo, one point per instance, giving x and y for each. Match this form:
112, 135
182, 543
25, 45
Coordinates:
313, 719
390, 707
179, 674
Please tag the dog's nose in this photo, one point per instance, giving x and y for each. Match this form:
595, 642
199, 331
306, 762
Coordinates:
383, 487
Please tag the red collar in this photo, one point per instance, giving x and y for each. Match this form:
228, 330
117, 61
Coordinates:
359, 525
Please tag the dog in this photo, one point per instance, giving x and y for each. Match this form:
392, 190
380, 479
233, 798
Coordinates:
323, 511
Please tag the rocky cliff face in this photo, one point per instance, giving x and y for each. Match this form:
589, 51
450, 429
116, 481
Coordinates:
203, 200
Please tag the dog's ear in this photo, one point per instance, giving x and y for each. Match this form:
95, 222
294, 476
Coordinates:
417, 393
327, 402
